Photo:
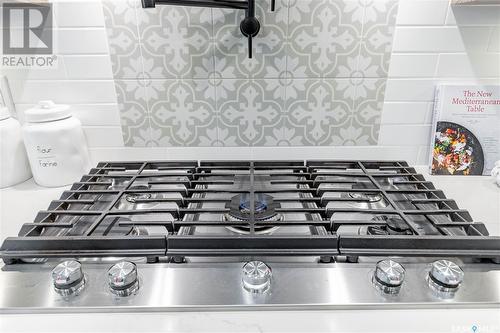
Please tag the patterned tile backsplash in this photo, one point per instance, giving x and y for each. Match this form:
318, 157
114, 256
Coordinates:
318, 76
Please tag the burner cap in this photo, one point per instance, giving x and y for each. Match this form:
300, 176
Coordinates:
393, 226
264, 211
264, 207
259, 207
133, 197
369, 197
397, 225
381, 218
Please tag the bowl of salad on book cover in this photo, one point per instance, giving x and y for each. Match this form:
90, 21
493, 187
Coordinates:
457, 151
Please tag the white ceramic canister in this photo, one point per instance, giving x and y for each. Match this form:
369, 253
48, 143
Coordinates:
14, 165
55, 144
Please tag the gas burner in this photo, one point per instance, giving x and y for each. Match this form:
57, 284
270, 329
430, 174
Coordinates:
380, 218
393, 226
134, 197
241, 211
368, 197
245, 229
364, 200
259, 207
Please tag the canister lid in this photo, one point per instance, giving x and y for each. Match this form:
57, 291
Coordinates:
4, 113
47, 111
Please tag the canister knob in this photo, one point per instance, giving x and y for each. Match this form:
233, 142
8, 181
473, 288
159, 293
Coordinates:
256, 277
445, 276
122, 278
388, 277
68, 278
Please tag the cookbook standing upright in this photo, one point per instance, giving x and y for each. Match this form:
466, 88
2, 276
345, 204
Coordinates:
466, 130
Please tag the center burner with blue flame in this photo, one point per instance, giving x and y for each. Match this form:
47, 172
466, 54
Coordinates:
264, 210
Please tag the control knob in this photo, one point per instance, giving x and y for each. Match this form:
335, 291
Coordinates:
388, 276
122, 278
68, 278
445, 276
256, 277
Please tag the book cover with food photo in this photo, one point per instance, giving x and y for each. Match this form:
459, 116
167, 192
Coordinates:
466, 130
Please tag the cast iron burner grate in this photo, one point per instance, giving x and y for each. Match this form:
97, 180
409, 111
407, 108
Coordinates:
94, 217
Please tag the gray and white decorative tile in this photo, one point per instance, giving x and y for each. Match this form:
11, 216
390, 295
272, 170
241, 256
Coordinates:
133, 112
367, 110
183, 114
325, 36
320, 107
183, 77
177, 41
290, 136
269, 51
362, 127
351, 135
377, 38
121, 27
250, 113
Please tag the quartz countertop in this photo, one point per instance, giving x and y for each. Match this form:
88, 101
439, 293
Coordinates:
479, 195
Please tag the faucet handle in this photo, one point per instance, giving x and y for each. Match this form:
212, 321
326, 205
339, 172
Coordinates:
250, 27
148, 3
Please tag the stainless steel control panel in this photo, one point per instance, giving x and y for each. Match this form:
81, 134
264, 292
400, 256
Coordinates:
122, 286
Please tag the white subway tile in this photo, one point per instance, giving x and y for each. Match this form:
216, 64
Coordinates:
427, 39
88, 67
441, 39
68, 67
424, 155
404, 135
494, 43
55, 73
81, 41
104, 136
422, 90
89, 114
81, 13
407, 113
475, 39
473, 15
406, 153
355, 153
423, 12
413, 65
412, 90
469, 65
68, 92
97, 114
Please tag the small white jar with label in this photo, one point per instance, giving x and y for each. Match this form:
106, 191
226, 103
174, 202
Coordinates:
14, 165
55, 144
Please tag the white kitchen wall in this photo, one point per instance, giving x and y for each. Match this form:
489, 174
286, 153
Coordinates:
433, 43
83, 77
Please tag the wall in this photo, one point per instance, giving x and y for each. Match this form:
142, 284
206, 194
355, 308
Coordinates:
317, 76
83, 77
433, 43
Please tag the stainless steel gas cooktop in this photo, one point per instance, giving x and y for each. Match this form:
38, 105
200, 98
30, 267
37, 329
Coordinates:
159, 236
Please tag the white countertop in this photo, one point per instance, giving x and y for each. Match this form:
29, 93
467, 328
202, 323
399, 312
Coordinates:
479, 195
